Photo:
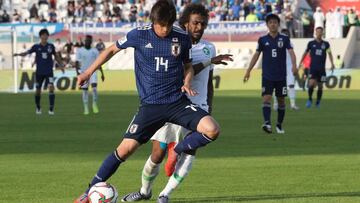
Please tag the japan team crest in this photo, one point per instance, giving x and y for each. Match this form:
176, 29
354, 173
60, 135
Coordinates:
175, 49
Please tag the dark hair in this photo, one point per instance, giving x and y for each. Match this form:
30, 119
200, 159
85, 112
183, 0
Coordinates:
272, 17
193, 9
163, 12
321, 28
44, 31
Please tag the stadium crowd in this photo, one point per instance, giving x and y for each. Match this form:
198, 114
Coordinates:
336, 21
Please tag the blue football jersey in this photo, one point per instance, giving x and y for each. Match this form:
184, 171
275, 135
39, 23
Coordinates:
159, 63
274, 56
43, 59
318, 52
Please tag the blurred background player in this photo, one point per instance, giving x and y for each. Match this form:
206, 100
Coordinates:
317, 49
44, 68
85, 56
194, 19
163, 73
274, 46
290, 79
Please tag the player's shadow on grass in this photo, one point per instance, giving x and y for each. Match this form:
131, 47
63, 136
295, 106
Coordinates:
268, 197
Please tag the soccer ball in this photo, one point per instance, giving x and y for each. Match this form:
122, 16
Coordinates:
102, 193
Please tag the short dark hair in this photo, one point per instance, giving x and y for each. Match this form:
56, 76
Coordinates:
163, 12
193, 9
272, 17
44, 31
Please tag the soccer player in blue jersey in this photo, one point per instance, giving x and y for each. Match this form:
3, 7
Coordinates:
274, 46
163, 72
317, 49
44, 68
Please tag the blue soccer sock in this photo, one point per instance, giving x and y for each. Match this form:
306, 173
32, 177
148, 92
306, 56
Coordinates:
107, 169
310, 92
319, 95
37, 101
52, 100
281, 114
266, 109
191, 142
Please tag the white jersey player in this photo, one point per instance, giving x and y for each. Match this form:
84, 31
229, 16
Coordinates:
194, 18
290, 80
85, 56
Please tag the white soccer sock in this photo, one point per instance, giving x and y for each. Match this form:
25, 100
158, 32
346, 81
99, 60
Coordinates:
95, 94
150, 171
85, 98
182, 168
292, 95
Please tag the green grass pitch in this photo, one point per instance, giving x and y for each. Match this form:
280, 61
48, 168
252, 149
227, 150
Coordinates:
51, 159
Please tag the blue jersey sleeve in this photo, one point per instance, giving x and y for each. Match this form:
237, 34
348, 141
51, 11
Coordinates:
259, 47
186, 57
32, 49
129, 40
288, 44
308, 47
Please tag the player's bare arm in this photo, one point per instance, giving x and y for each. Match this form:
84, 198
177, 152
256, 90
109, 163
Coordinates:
302, 58
293, 61
331, 59
189, 74
100, 60
251, 66
219, 59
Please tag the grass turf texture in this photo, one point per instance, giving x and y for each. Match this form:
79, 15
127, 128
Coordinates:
51, 159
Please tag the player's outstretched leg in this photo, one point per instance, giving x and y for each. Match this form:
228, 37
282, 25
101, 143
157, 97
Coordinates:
182, 168
110, 165
85, 99
266, 109
37, 101
281, 115
51, 99
149, 173
319, 95
207, 131
95, 98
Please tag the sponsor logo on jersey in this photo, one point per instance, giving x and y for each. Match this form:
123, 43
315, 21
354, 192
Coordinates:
175, 49
149, 46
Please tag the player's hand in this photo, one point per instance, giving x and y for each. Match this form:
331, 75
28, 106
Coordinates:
247, 76
220, 59
83, 78
103, 78
295, 70
187, 89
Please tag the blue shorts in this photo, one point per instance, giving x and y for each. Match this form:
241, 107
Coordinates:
151, 117
318, 75
40, 79
268, 87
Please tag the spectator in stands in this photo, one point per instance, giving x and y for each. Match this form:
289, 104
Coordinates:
100, 46
329, 24
33, 12
251, 17
5, 17
338, 19
319, 18
306, 21
236, 10
289, 19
